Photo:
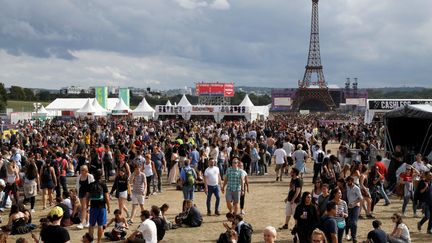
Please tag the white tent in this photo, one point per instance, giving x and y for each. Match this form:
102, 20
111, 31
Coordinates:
184, 101
42, 111
144, 110
100, 111
121, 109
246, 102
70, 105
168, 103
87, 110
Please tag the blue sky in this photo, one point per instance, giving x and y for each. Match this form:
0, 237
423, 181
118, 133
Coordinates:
175, 43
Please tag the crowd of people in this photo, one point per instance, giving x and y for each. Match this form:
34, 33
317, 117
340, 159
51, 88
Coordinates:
131, 156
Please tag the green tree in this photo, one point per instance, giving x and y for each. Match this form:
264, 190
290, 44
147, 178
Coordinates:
29, 94
3, 97
16, 93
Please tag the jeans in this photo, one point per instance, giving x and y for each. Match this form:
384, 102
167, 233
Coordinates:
188, 192
63, 184
353, 215
221, 167
340, 233
382, 192
317, 171
213, 190
255, 167
407, 197
159, 179
149, 180
426, 217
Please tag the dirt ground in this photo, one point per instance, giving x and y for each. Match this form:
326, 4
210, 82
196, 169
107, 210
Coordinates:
264, 206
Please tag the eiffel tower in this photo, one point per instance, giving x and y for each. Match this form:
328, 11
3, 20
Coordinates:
310, 95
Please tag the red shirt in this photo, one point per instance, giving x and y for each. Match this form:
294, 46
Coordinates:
381, 168
406, 176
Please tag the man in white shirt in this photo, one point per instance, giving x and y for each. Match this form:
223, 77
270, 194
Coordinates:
280, 160
318, 158
212, 185
147, 229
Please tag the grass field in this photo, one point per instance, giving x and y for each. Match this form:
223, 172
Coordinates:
22, 106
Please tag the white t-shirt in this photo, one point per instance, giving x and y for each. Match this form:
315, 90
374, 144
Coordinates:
280, 155
288, 147
148, 231
405, 232
68, 203
212, 176
299, 155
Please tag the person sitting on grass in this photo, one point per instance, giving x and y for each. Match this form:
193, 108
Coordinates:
190, 216
87, 238
120, 226
54, 233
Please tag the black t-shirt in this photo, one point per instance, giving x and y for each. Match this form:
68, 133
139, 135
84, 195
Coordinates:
329, 226
54, 234
160, 226
99, 203
294, 184
421, 196
377, 236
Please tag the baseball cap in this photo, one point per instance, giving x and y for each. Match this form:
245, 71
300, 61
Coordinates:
56, 212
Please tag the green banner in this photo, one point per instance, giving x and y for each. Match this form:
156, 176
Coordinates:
124, 94
101, 95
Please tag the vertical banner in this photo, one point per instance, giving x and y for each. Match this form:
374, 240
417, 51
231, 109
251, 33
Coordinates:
124, 94
101, 95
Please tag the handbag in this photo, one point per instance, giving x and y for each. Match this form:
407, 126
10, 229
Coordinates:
341, 223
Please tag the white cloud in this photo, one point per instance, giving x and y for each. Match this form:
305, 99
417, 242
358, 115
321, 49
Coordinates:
220, 4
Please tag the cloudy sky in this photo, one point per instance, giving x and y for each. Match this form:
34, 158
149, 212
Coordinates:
173, 43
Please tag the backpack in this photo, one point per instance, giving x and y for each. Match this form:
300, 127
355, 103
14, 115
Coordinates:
96, 191
320, 157
190, 178
46, 175
245, 234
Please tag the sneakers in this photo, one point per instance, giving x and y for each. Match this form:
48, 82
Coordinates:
370, 216
387, 203
80, 226
348, 237
416, 215
285, 226
419, 226
86, 225
217, 213
208, 213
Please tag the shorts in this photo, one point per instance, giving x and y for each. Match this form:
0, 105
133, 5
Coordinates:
232, 196
290, 208
278, 167
123, 194
137, 199
98, 216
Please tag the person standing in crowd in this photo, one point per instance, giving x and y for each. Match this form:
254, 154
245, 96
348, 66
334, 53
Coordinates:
423, 195
120, 186
377, 235
323, 199
54, 233
300, 156
318, 159
328, 223
212, 186
234, 182
158, 158
82, 185
194, 157
406, 178
354, 198
149, 171
98, 198
382, 170
139, 186
61, 165
395, 162
281, 161
306, 217
341, 212
269, 234
293, 197
107, 160
12, 173
147, 230
245, 188
188, 177
31, 183
401, 233
48, 181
